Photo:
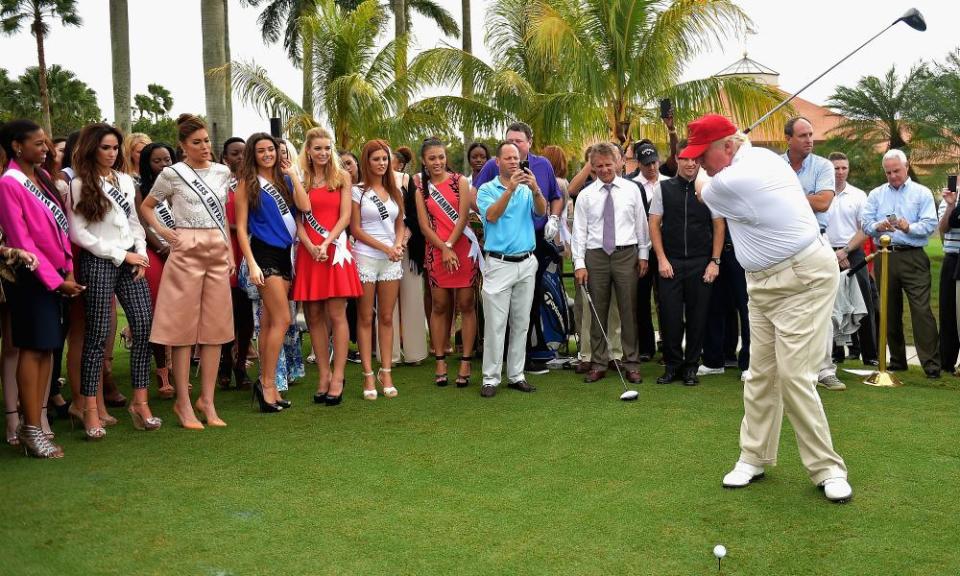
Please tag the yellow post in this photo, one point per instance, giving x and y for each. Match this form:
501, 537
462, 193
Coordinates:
882, 378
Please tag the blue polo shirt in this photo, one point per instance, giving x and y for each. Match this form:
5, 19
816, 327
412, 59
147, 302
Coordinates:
543, 172
816, 174
512, 233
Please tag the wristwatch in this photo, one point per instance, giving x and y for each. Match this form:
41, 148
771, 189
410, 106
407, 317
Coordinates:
448, 245
716, 261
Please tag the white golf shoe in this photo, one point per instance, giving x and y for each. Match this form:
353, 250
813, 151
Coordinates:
705, 371
742, 475
837, 490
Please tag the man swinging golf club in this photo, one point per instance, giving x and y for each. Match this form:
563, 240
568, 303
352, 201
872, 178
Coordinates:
792, 279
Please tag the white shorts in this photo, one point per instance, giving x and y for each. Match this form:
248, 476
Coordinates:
378, 269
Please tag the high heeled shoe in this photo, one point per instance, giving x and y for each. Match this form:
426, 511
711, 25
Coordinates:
265, 407
464, 381
46, 424
166, 390
211, 422
331, 400
97, 432
440, 379
141, 423
388, 391
195, 425
12, 437
35, 443
369, 394
107, 420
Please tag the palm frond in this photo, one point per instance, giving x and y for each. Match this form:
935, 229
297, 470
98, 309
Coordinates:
437, 14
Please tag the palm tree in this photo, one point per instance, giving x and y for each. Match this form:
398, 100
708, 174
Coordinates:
939, 108
120, 56
214, 57
883, 111
36, 14
72, 102
466, 86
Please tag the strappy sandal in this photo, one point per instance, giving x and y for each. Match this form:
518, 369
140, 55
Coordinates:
369, 394
388, 391
440, 379
464, 381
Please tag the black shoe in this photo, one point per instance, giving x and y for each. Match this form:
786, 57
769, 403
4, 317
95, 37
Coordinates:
265, 407
522, 386
932, 374
895, 367
353, 357
873, 363
645, 357
320, 398
463, 381
669, 375
284, 403
690, 378
440, 380
333, 400
536, 368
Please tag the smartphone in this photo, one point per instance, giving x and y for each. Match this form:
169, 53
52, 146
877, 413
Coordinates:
666, 108
952, 182
276, 129
525, 166
892, 218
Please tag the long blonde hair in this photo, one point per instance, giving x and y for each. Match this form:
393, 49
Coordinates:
332, 173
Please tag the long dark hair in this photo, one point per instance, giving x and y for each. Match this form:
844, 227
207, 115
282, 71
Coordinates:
388, 181
93, 203
19, 131
248, 171
147, 177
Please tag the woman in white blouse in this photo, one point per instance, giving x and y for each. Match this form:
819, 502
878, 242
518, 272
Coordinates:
104, 223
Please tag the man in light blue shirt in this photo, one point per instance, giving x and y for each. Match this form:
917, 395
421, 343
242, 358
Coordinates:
815, 172
904, 210
508, 206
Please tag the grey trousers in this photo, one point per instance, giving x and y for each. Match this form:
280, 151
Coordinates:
606, 275
507, 297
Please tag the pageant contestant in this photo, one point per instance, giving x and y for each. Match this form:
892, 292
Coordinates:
452, 256
195, 289
113, 261
326, 275
269, 195
33, 219
377, 225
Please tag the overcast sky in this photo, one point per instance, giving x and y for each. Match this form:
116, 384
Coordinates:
797, 39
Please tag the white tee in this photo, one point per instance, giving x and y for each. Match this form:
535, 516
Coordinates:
844, 215
766, 208
372, 222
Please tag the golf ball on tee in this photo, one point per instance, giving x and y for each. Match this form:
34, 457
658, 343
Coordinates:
719, 550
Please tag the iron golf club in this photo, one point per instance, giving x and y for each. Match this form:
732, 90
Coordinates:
912, 18
628, 395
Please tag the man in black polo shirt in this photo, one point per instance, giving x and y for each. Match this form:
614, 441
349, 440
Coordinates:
688, 241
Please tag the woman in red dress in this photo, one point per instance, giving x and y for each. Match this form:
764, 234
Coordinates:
326, 274
452, 257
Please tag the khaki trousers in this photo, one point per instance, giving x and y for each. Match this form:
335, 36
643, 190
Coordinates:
790, 307
584, 318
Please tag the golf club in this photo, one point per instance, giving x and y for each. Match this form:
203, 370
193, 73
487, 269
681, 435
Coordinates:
628, 395
912, 18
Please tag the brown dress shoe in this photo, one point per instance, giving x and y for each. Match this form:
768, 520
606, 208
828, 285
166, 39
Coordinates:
594, 375
582, 368
522, 386
633, 376
488, 391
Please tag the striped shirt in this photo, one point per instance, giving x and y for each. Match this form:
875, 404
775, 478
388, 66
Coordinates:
951, 240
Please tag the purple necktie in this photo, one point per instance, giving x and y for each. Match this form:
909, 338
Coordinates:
609, 223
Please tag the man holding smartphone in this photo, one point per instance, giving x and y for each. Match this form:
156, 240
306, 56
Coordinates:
904, 210
949, 340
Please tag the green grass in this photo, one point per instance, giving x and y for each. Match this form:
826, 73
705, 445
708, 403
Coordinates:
568, 480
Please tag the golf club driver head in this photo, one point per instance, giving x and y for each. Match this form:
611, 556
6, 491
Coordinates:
914, 19
629, 395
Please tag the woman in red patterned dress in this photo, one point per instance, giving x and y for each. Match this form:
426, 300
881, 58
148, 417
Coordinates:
453, 254
326, 274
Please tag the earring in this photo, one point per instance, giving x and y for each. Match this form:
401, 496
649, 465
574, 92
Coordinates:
18, 152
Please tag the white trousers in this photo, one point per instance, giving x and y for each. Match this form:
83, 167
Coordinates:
507, 297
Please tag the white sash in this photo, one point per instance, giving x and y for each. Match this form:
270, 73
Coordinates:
340, 253
384, 214
475, 254
207, 196
116, 196
285, 213
58, 216
166, 218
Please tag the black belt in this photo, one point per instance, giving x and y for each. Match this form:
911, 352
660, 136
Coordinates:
625, 247
509, 257
903, 248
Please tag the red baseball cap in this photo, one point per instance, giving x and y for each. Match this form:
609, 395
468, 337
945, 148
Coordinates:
703, 132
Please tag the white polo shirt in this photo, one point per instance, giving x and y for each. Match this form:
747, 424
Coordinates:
845, 215
766, 209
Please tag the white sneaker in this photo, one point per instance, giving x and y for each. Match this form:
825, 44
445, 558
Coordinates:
705, 371
837, 490
742, 475
744, 375
831, 382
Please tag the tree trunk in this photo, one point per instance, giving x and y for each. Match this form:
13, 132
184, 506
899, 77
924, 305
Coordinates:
228, 77
211, 26
120, 55
399, 31
42, 73
466, 82
307, 64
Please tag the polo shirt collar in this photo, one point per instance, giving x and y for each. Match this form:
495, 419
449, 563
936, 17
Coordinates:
906, 182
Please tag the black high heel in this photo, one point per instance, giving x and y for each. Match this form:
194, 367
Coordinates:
464, 381
265, 407
331, 400
283, 403
440, 379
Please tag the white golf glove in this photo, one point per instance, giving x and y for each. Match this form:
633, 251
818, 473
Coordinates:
551, 228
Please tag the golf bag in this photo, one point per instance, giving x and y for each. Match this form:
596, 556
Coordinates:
552, 332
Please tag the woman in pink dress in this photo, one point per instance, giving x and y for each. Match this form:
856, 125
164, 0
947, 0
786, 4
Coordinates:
452, 256
326, 274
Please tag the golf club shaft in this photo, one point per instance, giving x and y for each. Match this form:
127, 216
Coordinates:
604, 333
812, 82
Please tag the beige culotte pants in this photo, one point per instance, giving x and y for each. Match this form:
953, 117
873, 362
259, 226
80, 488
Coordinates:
790, 307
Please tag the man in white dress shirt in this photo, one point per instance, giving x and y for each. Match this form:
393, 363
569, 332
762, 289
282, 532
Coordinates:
610, 247
792, 279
